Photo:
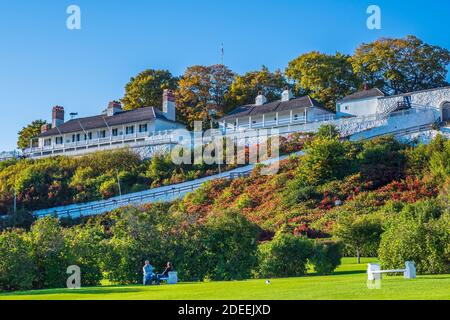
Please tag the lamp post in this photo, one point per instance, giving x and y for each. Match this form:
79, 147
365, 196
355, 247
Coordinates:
118, 183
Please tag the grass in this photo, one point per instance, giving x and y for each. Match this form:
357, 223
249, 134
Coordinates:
347, 283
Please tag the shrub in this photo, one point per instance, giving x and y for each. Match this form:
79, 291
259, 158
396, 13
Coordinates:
327, 256
285, 256
230, 245
84, 244
418, 234
360, 234
16, 261
49, 253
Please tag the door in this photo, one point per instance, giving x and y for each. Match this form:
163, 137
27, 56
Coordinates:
446, 112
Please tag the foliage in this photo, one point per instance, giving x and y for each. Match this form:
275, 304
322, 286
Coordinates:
285, 256
201, 93
146, 89
246, 87
49, 252
401, 65
29, 132
420, 233
327, 78
230, 246
16, 261
326, 257
361, 233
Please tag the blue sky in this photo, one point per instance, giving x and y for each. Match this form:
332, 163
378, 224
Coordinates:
43, 64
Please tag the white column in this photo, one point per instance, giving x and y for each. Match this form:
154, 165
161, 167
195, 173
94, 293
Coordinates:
278, 119
250, 122
290, 117
237, 124
264, 120
306, 116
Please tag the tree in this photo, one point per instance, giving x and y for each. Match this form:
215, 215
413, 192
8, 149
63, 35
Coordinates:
245, 88
419, 233
29, 132
202, 92
326, 159
401, 65
358, 232
285, 256
230, 246
17, 271
326, 78
146, 89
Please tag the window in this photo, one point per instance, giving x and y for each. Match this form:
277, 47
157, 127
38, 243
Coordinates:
59, 140
346, 108
90, 135
47, 142
295, 116
115, 132
129, 130
76, 137
102, 134
143, 128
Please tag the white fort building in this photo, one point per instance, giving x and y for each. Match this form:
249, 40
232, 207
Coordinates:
147, 130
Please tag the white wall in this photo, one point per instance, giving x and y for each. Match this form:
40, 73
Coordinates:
361, 107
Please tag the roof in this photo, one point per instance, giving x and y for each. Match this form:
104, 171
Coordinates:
364, 94
416, 92
103, 121
276, 106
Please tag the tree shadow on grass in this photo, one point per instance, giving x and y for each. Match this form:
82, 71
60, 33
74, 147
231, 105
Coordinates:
82, 291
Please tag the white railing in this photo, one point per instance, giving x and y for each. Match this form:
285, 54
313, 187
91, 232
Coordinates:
136, 139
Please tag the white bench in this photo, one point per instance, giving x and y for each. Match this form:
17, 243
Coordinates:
374, 271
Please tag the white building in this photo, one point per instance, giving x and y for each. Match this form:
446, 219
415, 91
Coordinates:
359, 103
374, 101
284, 112
145, 127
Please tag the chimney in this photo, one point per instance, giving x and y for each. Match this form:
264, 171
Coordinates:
57, 116
169, 106
113, 108
260, 99
366, 86
286, 95
45, 127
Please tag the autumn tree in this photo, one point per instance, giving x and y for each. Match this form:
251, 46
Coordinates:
245, 88
326, 78
146, 89
201, 93
27, 133
401, 65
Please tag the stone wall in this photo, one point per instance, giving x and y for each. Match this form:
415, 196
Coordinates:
428, 98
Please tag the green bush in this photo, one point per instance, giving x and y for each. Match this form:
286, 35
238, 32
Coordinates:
50, 253
421, 234
230, 246
285, 256
326, 257
17, 269
85, 250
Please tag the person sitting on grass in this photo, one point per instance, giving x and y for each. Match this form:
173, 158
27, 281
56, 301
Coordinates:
165, 274
149, 276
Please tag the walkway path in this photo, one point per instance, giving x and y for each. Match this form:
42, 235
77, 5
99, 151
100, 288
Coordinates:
160, 194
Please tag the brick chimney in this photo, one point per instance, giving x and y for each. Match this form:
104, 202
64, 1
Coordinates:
45, 127
169, 106
113, 108
57, 116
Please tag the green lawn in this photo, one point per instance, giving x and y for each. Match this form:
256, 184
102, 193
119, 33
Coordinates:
348, 282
